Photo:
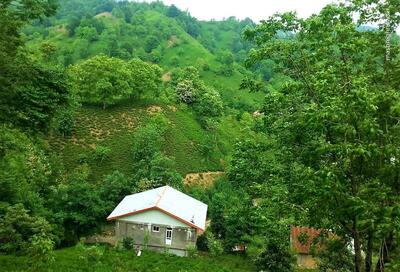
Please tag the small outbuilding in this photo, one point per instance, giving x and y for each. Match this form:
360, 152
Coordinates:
301, 240
160, 219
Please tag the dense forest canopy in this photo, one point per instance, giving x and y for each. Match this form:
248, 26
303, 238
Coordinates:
299, 117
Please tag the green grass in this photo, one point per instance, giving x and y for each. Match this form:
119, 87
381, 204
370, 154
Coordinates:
70, 259
184, 140
94, 126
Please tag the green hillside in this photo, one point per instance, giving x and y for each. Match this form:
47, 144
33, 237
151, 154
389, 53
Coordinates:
65, 40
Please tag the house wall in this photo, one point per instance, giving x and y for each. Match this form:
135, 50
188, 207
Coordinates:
153, 217
306, 261
141, 231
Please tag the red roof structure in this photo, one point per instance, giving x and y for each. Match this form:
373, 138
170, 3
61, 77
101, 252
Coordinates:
295, 238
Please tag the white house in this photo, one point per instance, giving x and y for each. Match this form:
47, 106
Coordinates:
160, 218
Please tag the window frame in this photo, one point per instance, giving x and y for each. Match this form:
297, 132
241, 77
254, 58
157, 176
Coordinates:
155, 228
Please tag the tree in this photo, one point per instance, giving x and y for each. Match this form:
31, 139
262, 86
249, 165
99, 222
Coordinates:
151, 42
151, 166
29, 92
173, 11
115, 186
19, 231
186, 92
334, 123
77, 206
72, 25
146, 76
209, 104
88, 33
276, 257
106, 81
25, 171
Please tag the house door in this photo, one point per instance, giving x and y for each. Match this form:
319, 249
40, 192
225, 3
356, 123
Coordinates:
168, 236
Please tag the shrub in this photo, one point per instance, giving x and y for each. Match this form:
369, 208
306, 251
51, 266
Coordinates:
191, 251
82, 158
214, 245
276, 257
23, 233
65, 122
101, 153
127, 243
209, 104
94, 254
201, 242
40, 252
185, 92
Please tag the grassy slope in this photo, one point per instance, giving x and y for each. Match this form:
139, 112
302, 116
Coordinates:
113, 128
69, 260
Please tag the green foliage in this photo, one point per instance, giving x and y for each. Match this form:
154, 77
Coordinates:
149, 161
77, 206
23, 233
335, 255
114, 188
90, 255
107, 81
25, 172
88, 33
151, 43
276, 257
209, 104
65, 121
214, 245
35, 95
192, 251
148, 140
128, 243
332, 124
101, 153
40, 252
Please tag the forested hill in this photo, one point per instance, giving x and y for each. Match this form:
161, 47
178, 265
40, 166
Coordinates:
172, 40
152, 32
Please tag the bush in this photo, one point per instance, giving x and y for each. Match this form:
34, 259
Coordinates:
90, 254
40, 252
191, 251
214, 245
22, 233
82, 158
201, 242
65, 122
101, 153
128, 243
185, 92
209, 104
276, 257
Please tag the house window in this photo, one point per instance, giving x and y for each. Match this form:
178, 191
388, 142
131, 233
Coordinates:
156, 228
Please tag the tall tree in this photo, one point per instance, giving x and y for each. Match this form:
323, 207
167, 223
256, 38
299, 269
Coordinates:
335, 123
29, 92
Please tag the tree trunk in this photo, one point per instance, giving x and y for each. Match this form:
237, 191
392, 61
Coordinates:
384, 257
370, 248
357, 247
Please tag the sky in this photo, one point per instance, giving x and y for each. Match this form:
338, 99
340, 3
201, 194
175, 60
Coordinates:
255, 9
